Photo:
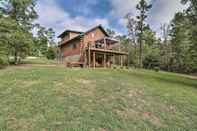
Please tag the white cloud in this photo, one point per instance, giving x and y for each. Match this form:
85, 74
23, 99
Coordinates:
161, 12
51, 15
121, 7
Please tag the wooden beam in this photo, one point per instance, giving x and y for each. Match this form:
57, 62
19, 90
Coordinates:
94, 59
104, 60
109, 51
114, 59
89, 56
121, 61
85, 58
128, 60
105, 46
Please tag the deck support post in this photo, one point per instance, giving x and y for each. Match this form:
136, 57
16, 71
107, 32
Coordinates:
114, 59
85, 59
121, 61
105, 44
89, 56
104, 60
128, 61
94, 59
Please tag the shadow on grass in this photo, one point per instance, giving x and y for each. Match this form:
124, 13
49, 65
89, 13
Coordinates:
179, 80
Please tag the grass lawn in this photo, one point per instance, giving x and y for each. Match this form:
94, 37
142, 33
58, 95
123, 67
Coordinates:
58, 99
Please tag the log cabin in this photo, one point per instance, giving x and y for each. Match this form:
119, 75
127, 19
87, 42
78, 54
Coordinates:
93, 48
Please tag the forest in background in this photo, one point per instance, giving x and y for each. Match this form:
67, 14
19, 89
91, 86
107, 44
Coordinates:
175, 50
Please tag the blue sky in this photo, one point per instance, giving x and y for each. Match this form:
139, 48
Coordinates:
84, 14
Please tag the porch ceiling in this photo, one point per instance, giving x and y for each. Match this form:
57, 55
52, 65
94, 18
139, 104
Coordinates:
108, 40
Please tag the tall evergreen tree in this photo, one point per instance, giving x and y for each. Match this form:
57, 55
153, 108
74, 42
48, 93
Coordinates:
192, 16
143, 7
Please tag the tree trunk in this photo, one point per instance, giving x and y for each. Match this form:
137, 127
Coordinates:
15, 58
140, 56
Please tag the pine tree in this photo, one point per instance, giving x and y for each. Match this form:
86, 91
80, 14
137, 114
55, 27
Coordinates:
143, 7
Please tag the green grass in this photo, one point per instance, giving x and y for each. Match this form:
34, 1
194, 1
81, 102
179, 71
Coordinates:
58, 99
38, 60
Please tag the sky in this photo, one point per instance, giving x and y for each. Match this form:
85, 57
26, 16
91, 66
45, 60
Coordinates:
82, 15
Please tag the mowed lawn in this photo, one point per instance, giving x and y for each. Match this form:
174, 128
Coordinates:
59, 99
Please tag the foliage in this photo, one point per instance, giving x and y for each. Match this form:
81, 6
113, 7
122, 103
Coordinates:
51, 53
44, 39
16, 40
16, 23
111, 32
143, 7
175, 50
3, 62
22, 11
16, 26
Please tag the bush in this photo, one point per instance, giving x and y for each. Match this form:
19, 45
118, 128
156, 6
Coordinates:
51, 54
3, 63
156, 69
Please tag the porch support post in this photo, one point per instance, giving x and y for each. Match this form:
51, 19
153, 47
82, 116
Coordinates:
114, 59
121, 61
128, 60
94, 59
104, 60
105, 43
85, 59
89, 57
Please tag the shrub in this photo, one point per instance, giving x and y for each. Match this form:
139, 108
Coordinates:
51, 54
156, 69
3, 63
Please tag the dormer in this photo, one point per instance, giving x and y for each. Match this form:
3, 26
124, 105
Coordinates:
69, 34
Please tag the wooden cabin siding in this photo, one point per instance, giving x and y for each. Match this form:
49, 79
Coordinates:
69, 36
66, 38
72, 35
93, 36
72, 48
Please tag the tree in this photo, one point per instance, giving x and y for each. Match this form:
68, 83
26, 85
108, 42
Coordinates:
143, 7
132, 34
16, 23
151, 49
181, 45
165, 47
191, 14
22, 11
112, 33
44, 39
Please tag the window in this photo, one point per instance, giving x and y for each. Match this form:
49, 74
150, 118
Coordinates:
74, 46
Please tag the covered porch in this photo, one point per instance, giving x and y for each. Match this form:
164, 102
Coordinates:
103, 53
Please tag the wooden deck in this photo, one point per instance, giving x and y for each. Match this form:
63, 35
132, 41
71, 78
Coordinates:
91, 53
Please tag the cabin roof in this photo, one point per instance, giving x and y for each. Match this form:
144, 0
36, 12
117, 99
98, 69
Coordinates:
81, 34
100, 27
69, 31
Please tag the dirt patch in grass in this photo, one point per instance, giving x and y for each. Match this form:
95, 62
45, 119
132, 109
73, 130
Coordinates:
83, 81
153, 119
25, 83
135, 92
127, 113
